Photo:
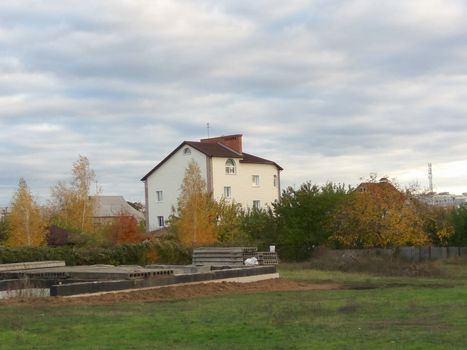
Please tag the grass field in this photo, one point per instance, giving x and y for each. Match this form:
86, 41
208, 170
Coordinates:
397, 313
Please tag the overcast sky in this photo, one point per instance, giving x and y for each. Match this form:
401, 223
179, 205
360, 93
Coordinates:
329, 89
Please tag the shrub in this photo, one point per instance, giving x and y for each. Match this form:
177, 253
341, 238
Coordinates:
164, 250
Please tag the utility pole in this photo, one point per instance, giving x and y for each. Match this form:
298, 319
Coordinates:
208, 127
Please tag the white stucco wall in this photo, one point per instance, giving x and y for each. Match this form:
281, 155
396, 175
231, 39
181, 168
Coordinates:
168, 179
241, 183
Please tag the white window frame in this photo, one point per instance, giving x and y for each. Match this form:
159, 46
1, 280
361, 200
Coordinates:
227, 192
230, 167
159, 196
161, 221
255, 180
257, 204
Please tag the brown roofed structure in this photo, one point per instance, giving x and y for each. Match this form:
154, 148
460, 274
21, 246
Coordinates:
249, 158
214, 149
234, 142
223, 147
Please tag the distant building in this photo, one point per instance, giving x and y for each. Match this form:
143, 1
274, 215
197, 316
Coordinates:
4, 212
383, 187
443, 199
229, 173
107, 208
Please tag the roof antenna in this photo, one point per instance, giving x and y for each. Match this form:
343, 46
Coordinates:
207, 125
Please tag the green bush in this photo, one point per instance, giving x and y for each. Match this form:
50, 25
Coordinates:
164, 250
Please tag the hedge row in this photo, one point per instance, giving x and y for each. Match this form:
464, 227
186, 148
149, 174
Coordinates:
164, 251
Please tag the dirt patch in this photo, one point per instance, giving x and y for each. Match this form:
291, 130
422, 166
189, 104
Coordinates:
183, 292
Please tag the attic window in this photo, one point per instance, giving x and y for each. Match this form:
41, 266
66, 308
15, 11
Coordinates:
230, 167
187, 151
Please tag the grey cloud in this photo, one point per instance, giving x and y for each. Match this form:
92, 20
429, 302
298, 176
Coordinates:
329, 89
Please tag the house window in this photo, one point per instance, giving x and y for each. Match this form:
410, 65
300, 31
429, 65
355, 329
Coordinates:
159, 196
230, 167
256, 204
255, 180
187, 151
274, 180
161, 221
228, 192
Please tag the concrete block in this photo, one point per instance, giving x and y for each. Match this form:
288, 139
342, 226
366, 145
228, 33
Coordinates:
222, 274
90, 287
184, 278
203, 276
152, 282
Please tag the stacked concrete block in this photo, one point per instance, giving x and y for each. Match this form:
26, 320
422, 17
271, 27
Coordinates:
222, 256
267, 258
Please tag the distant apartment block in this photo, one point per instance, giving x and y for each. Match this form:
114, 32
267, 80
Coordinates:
4, 212
444, 199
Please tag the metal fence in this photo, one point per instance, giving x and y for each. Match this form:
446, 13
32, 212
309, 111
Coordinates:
414, 254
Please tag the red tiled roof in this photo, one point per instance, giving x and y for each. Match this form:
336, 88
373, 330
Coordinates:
249, 158
215, 150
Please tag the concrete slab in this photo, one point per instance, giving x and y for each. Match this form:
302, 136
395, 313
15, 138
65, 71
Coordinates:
91, 272
31, 265
247, 279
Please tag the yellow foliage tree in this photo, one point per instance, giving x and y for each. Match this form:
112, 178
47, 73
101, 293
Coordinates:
194, 223
377, 215
27, 226
71, 205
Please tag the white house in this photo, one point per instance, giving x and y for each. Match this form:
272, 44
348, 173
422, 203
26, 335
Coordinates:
230, 173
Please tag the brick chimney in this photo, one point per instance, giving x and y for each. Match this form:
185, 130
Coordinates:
232, 141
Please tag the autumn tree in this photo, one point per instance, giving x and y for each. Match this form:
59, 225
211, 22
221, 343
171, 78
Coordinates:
26, 224
437, 222
72, 206
125, 229
194, 221
377, 215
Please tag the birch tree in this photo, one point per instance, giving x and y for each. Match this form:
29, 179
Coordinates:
26, 223
71, 205
194, 221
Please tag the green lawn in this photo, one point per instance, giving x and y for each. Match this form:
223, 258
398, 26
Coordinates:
422, 314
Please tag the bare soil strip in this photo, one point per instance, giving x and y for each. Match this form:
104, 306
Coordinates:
181, 292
